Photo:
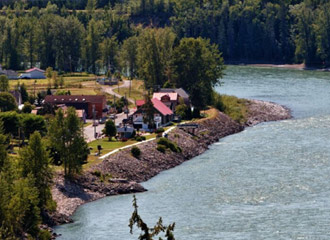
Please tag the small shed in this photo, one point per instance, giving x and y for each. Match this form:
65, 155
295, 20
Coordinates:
125, 132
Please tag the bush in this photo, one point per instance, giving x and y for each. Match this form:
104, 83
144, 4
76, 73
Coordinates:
136, 152
161, 148
169, 144
140, 138
159, 130
232, 106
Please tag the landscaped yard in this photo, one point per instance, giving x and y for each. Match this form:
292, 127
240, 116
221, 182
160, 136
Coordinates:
108, 146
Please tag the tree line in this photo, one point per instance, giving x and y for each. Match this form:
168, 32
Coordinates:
90, 35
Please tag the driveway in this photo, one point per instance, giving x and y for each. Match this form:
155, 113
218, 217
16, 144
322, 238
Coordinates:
109, 90
89, 131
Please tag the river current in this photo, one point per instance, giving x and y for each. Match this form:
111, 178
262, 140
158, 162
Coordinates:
271, 181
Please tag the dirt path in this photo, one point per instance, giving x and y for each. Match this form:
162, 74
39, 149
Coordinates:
110, 90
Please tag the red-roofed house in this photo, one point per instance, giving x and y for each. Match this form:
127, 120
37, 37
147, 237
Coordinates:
170, 99
162, 114
33, 73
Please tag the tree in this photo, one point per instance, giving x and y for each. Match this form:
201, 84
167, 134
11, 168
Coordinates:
4, 83
197, 67
110, 129
149, 233
7, 102
3, 151
153, 55
109, 51
67, 139
34, 160
24, 93
31, 123
148, 112
128, 56
27, 108
304, 33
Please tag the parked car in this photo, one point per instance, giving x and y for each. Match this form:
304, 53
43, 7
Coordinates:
103, 120
96, 123
113, 116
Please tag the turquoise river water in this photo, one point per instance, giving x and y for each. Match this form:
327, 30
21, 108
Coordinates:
271, 181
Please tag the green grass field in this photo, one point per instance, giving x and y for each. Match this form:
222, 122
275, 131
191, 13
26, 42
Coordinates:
137, 90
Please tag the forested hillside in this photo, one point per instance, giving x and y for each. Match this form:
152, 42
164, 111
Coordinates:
95, 35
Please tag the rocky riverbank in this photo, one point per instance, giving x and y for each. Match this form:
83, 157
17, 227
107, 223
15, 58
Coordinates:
121, 173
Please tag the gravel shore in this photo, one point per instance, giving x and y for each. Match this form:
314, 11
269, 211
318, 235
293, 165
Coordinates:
121, 173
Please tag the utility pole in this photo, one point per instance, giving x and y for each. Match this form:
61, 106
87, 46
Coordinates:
94, 123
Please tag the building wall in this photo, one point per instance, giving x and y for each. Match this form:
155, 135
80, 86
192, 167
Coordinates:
37, 75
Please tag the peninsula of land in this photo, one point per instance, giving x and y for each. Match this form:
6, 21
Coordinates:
122, 173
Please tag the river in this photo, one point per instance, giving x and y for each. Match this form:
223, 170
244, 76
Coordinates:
271, 181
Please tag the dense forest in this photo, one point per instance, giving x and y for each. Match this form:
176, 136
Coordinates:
97, 35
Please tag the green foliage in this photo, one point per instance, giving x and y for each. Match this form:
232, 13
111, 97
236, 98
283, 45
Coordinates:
19, 211
197, 68
183, 111
110, 129
161, 148
67, 139
168, 144
34, 160
159, 130
4, 83
232, 106
140, 138
146, 232
7, 102
27, 108
136, 152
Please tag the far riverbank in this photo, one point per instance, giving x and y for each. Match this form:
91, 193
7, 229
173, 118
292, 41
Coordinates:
301, 66
121, 173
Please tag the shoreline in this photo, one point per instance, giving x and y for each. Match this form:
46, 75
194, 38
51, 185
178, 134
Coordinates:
121, 173
301, 66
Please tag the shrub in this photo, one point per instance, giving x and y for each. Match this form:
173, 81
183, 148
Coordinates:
232, 106
161, 148
140, 138
136, 152
169, 144
97, 173
159, 130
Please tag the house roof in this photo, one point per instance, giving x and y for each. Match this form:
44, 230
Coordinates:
58, 99
161, 107
140, 103
173, 95
34, 69
125, 129
9, 72
180, 91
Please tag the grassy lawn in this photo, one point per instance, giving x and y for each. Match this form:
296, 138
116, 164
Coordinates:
137, 90
107, 147
77, 84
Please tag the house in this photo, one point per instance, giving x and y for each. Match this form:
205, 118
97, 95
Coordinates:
125, 132
33, 73
89, 103
11, 75
170, 99
162, 114
180, 91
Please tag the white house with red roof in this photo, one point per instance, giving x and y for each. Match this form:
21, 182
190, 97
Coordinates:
162, 114
33, 73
